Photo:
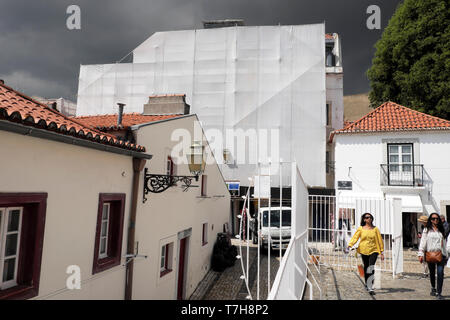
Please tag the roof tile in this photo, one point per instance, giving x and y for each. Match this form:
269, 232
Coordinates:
108, 122
391, 116
17, 107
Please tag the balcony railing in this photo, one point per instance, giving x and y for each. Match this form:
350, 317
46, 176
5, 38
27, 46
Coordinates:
410, 175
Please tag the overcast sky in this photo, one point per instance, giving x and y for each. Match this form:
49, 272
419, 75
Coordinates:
40, 56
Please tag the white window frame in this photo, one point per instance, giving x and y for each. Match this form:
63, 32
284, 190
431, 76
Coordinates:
108, 218
4, 213
401, 172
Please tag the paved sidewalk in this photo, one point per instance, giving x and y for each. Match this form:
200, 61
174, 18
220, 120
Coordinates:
348, 285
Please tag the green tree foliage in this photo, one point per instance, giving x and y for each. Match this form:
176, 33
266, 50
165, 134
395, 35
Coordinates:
412, 60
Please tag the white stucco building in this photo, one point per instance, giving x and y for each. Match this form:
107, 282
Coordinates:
60, 181
176, 229
73, 223
396, 152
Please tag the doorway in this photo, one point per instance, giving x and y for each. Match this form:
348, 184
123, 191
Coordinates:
182, 267
409, 224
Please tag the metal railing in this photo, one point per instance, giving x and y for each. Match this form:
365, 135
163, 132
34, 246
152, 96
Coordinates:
294, 265
402, 175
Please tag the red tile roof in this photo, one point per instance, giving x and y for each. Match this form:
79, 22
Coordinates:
109, 121
391, 116
347, 123
17, 107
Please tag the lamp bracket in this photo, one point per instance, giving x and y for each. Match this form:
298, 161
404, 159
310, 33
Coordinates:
157, 183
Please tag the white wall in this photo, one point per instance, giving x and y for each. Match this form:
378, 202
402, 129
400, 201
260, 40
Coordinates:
365, 152
335, 95
165, 214
73, 177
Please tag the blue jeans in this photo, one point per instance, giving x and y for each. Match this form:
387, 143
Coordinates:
440, 274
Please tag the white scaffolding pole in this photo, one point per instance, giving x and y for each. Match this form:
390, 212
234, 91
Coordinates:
281, 205
270, 233
259, 228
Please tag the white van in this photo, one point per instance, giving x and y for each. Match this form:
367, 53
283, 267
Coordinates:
275, 227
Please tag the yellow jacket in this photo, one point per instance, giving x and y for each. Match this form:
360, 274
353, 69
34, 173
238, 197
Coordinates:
370, 241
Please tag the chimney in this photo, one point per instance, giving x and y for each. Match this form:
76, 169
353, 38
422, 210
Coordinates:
166, 104
119, 118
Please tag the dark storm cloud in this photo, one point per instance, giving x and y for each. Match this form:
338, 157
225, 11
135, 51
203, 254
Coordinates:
39, 55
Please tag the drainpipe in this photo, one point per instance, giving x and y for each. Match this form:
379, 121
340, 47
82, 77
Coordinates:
138, 166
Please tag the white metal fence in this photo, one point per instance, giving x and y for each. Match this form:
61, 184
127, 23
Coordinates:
269, 236
333, 220
321, 228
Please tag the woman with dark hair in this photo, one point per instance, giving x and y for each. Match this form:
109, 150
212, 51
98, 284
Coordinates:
370, 246
433, 247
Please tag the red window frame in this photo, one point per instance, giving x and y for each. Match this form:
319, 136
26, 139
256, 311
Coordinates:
115, 231
205, 234
170, 165
204, 185
31, 243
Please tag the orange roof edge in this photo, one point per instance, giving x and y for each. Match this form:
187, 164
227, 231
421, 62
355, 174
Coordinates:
16, 102
391, 116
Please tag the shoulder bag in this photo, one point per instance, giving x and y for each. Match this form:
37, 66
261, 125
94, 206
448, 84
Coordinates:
434, 256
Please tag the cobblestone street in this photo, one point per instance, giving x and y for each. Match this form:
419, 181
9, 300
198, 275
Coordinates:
228, 285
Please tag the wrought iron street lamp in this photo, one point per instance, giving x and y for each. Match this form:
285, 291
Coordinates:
157, 183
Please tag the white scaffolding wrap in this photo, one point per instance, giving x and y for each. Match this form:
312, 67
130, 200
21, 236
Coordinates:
267, 79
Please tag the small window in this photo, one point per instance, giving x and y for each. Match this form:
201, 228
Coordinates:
169, 166
328, 114
400, 164
330, 57
108, 240
22, 219
166, 259
104, 233
205, 234
204, 185
327, 159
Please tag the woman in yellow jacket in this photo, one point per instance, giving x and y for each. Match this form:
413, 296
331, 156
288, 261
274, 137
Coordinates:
370, 246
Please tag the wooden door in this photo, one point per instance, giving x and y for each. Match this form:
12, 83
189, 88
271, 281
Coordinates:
181, 268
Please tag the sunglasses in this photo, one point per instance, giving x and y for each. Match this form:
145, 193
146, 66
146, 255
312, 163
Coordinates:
367, 217
434, 219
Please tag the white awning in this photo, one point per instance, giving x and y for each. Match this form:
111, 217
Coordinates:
410, 203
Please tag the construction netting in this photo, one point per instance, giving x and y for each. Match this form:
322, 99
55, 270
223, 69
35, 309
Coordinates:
266, 82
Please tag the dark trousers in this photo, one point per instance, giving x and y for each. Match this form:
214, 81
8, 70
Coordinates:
369, 268
440, 275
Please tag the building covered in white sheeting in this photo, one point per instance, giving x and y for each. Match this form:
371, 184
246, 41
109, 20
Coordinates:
260, 85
